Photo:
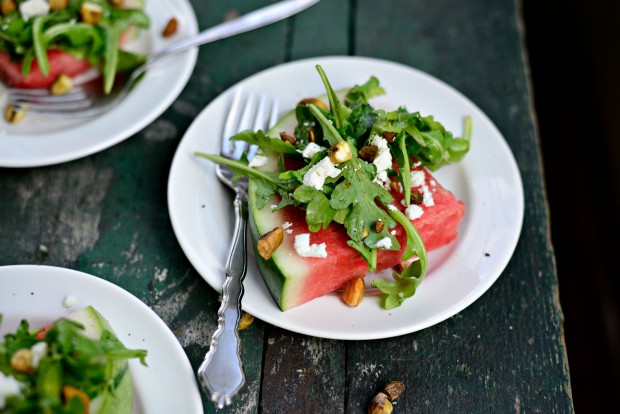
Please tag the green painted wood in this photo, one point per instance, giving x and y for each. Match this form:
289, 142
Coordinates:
107, 215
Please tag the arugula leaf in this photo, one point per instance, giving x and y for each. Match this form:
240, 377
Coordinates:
319, 213
266, 143
404, 285
362, 93
268, 183
330, 133
358, 192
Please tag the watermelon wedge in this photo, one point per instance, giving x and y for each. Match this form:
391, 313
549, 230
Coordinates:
60, 63
293, 280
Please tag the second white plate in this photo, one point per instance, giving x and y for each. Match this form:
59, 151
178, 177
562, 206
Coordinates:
38, 141
488, 181
37, 293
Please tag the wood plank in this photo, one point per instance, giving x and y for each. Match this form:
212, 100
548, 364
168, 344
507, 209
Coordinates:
302, 374
494, 353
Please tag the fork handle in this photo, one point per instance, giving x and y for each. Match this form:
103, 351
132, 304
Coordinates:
221, 373
253, 20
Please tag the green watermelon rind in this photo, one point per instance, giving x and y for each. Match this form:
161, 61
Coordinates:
278, 271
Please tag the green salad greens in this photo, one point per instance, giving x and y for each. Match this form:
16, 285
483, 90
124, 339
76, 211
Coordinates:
62, 370
88, 29
356, 195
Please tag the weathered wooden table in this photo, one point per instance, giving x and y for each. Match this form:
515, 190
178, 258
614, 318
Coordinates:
107, 215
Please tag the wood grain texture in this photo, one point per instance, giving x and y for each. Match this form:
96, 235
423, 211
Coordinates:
107, 215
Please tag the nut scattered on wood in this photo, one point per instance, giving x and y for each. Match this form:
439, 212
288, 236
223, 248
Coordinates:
171, 28
354, 291
21, 361
389, 136
246, 320
314, 101
7, 6
285, 136
379, 225
69, 392
368, 153
61, 85
13, 115
58, 4
91, 13
393, 389
340, 152
382, 402
311, 136
269, 242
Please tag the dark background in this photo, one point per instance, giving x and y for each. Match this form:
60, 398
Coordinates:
574, 52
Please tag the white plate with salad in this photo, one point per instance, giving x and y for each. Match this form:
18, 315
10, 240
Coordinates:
487, 180
42, 294
40, 141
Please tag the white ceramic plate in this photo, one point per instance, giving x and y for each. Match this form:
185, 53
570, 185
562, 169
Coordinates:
37, 293
488, 181
39, 141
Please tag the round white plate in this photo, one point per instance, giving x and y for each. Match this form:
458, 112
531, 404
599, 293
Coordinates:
488, 181
39, 140
37, 293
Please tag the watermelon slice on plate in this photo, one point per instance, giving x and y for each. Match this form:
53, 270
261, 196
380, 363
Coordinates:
293, 280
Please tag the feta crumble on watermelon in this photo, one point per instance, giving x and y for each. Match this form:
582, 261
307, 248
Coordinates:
354, 192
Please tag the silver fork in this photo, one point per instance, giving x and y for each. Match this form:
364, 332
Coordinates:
88, 99
221, 372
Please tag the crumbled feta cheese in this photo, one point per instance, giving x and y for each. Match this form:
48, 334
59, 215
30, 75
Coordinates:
9, 386
414, 211
393, 232
311, 149
385, 243
427, 196
416, 164
383, 160
305, 249
315, 176
273, 206
258, 161
33, 8
39, 350
382, 179
286, 225
289, 231
392, 207
417, 178
433, 183
69, 302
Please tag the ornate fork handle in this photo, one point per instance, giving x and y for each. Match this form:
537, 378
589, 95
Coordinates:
221, 373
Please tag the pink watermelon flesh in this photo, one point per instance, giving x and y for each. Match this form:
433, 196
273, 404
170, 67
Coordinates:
316, 277
60, 63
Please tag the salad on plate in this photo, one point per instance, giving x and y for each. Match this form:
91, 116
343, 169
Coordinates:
342, 190
47, 43
75, 365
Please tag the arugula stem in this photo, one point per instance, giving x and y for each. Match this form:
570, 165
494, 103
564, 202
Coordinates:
249, 171
467, 128
405, 174
40, 47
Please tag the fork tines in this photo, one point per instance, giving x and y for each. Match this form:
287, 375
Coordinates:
258, 112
